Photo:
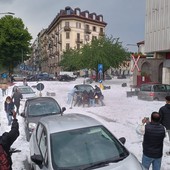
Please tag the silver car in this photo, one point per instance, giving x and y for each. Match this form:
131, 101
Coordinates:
78, 142
153, 91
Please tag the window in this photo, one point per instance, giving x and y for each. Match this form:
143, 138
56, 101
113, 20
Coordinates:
94, 28
67, 24
67, 46
78, 25
94, 17
67, 35
101, 18
86, 15
78, 36
101, 30
87, 27
78, 46
68, 11
87, 38
77, 12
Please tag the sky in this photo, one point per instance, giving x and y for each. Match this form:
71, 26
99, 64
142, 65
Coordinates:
125, 18
121, 115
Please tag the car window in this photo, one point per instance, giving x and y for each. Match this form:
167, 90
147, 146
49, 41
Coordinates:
43, 108
146, 87
26, 90
42, 142
86, 146
168, 88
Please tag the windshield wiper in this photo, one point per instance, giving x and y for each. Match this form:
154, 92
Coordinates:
104, 163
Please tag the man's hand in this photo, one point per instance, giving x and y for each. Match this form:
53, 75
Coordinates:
145, 120
14, 114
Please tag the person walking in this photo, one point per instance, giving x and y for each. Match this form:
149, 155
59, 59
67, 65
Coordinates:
16, 97
164, 111
8, 138
154, 134
91, 98
70, 99
9, 109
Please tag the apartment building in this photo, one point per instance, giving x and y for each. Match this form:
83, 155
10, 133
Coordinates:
71, 28
157, 36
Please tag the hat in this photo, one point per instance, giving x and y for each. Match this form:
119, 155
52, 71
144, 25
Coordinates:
167, 98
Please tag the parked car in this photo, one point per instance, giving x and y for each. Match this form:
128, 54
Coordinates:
75, 142
108, 77
82, 87
37, 108
18, 77
41, 76
153, 91
26, 91
65, 77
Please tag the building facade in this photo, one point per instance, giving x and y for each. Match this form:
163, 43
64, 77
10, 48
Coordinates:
71, 28
157, 35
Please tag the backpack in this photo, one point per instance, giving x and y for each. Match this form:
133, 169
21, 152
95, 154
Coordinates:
4, 162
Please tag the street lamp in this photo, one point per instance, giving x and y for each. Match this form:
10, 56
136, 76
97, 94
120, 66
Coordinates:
8, 13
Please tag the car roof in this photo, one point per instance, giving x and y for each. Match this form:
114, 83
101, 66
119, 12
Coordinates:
60, 123
37, 99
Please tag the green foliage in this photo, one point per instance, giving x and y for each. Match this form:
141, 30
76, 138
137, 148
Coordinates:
106, 51
14, 41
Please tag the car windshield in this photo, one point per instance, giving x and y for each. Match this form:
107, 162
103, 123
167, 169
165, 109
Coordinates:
43, 108
84, 148
25, 90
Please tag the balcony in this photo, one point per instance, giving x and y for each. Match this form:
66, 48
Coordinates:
87, 31
67, 28
60, 41
101, 34
79, 41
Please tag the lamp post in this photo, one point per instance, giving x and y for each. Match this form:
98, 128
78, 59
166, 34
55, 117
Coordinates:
7, 13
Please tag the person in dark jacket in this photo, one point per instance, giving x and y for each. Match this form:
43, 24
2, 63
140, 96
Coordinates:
153, 142
98, 95
9, 109
17, 96
8, 138
164, 111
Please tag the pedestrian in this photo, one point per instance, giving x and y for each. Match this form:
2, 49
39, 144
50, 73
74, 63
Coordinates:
98, 95
8, 138
9, 109
70, 99
154, 134
16, 97
25, 82
91, 98
164, 111
78, 98
4, 88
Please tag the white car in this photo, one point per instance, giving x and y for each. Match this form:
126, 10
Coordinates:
26, 91
78, 142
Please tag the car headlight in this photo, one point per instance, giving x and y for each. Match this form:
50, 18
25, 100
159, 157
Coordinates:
32, 126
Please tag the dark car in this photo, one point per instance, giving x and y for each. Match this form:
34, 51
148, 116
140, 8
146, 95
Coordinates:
36, 108
65, 77
41, 76
83, 87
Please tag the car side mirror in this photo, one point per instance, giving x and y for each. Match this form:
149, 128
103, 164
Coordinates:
37, 159
63, 109
23, 115
122, 140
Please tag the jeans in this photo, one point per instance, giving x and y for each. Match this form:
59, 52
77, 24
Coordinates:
91, 102
9, 117
147, 161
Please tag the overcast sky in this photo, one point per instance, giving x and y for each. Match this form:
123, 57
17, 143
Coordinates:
125, 18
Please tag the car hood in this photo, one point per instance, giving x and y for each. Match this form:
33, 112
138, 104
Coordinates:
129, 163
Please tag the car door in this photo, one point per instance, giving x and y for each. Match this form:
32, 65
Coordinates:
40, 147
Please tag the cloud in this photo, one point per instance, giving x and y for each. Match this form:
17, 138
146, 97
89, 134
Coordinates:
6, 1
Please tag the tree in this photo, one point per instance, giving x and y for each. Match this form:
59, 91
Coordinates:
14, 42
105, 50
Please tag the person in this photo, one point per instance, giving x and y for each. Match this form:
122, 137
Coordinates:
9, 109
98, 95
16, 97
91, 98
154, 134
78, 100
8, 138
164, 111
4, 88
71, 97
25, 82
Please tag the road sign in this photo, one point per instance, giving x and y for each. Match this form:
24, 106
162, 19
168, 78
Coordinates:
40, 86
